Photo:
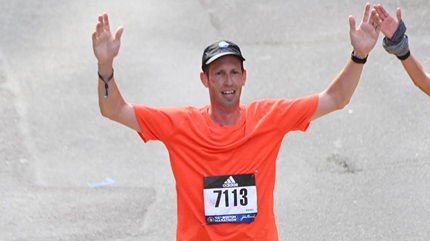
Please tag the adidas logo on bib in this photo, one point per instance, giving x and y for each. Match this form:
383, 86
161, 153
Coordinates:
230, 182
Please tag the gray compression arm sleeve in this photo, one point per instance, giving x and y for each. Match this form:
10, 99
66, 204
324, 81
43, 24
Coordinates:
398, 44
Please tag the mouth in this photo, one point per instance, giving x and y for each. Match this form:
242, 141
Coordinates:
228, 92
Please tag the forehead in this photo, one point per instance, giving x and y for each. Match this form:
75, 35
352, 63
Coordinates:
224, 61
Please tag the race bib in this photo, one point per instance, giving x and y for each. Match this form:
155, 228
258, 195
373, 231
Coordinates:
230, 199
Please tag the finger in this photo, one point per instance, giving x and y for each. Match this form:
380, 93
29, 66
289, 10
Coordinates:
351, 23
106, 22
379, 11
376, 20
99, 28
94, 37
398, 14
366, 13
118, 33
373, 19
99, 21
384, 14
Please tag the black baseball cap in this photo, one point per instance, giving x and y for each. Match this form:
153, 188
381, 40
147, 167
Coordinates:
219, 49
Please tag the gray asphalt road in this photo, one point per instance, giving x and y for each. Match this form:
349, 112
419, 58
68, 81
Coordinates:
66, 173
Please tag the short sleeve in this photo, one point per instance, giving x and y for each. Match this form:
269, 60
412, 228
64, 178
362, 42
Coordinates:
157, 123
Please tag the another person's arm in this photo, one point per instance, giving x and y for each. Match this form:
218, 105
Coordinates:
416, 72
106, 47
396, 42
341, 89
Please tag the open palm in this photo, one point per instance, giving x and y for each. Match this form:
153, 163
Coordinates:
364, 38
105, 45
387, 23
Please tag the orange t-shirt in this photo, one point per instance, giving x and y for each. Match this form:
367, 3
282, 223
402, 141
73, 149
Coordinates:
198, 148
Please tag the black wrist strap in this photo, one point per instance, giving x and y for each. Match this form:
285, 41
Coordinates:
357, 59
106, 83
404, 56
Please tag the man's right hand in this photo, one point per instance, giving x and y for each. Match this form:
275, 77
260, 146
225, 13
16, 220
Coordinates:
105, 45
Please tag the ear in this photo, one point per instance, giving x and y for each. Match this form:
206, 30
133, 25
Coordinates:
244, 77
204, 79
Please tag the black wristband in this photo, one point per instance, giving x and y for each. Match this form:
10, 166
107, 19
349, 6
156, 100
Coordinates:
106, 83
404, 56
358, 60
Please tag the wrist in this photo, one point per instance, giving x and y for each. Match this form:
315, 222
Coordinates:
359, 54
357, 58
105, 68
105, 81
399, 49
405, 56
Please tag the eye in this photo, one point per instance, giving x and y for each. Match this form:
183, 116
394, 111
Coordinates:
220, 73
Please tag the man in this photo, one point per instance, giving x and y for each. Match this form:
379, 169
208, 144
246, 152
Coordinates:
223, 155
396, 42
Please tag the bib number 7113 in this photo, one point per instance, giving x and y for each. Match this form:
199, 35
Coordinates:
238, 197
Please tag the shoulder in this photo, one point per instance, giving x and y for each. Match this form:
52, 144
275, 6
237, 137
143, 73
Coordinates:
169, 110
274, 103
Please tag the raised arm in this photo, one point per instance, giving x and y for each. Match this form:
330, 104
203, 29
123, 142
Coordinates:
106, 47
417, 74
396, 42
363, 39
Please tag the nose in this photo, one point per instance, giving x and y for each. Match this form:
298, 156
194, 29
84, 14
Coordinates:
228, 80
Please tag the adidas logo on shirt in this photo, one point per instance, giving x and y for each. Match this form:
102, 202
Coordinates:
230, 182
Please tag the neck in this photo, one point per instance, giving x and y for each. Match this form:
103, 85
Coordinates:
225, 117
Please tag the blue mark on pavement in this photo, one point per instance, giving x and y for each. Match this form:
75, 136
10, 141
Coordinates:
105, 182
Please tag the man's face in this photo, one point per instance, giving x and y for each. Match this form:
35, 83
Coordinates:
225, 81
